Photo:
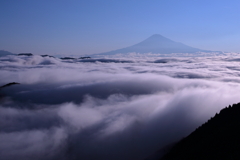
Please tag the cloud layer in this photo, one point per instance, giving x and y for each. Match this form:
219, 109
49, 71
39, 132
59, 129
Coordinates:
108, 108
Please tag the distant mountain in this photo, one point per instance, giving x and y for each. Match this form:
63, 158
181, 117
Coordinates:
217, 139
156, 44
5, 53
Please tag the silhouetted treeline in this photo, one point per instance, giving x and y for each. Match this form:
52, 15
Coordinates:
218, 138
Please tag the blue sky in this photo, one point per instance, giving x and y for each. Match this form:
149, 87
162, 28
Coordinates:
92, 26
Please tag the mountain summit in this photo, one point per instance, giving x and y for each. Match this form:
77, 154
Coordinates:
156, 44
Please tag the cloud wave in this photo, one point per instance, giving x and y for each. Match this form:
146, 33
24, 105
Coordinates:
115, 110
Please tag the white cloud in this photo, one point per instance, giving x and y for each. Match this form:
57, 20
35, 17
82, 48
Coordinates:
87, 110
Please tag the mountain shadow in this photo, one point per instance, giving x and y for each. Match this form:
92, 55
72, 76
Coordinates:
217, 139
156, 44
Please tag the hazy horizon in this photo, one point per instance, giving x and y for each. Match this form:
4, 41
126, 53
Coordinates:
154, 45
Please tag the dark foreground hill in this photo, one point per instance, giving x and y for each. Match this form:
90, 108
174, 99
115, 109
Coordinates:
217, 139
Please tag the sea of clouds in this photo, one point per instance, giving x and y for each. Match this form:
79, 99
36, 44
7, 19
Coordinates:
110, 108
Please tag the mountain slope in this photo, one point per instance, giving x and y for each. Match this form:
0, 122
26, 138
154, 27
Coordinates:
219, 138
156, 44
5, 53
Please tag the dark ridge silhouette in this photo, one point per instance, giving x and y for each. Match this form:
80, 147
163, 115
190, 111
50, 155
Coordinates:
47, 56
217, 139
25, 54
67, 58
84, 58
9, 84
6, 85
103, 60
165, 60
156, 44
5, 53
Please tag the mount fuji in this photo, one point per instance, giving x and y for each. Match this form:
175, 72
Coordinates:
156, 44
